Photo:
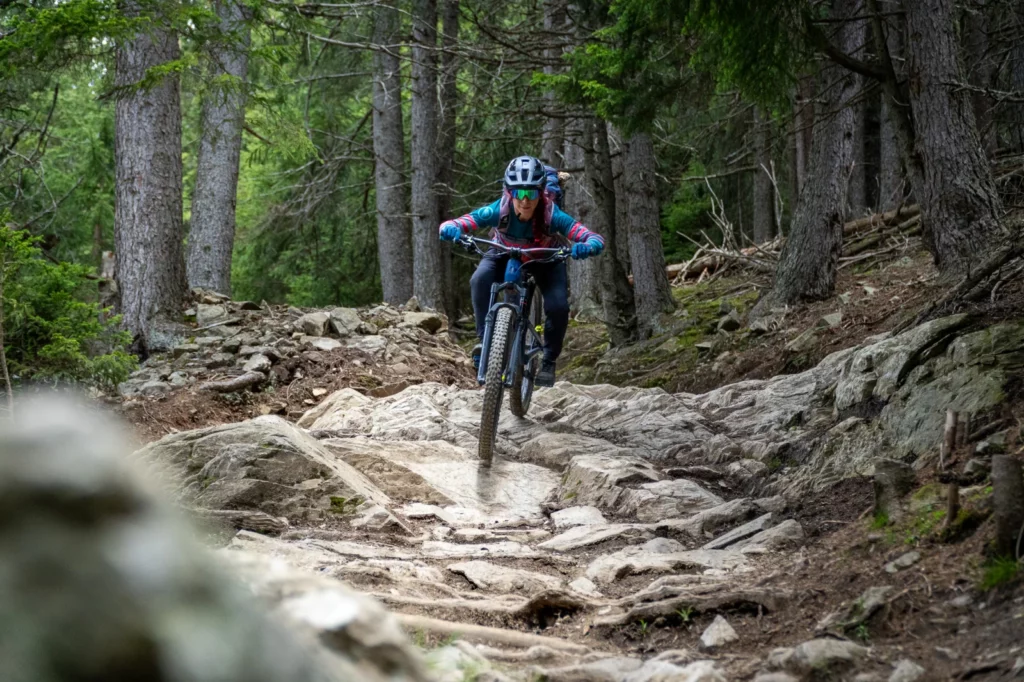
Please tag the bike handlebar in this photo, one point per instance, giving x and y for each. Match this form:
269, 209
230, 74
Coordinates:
554, 254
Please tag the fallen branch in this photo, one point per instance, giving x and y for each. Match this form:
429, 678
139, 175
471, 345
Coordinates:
239, 383
482, 633
994, 263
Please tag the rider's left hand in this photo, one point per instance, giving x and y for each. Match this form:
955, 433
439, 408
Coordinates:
581, 250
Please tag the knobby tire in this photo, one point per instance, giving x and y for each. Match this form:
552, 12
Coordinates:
494, 384
522, 379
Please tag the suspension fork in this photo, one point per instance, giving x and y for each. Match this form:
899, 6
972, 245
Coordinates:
492, 314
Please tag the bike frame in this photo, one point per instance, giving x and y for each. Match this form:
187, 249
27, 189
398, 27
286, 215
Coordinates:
527, 341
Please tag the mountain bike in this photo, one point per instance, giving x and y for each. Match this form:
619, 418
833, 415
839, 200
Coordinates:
512, 344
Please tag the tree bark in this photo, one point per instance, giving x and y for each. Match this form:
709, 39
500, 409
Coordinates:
449, 101
616, 293
211, 236
856, 199
803, 122
1008, 503
651, 289
764, 193
617, 150
960, 208
147, 200
892, 181
553, 135
394, 229
1015, 67
584, 276
981, 72
808, 264
427, 264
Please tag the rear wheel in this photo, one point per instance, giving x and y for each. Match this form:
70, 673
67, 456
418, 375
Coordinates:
522, 381
494, 383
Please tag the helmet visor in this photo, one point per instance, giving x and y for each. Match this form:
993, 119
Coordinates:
526, 194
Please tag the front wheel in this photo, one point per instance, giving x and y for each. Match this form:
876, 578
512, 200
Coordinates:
522, 379
494, 383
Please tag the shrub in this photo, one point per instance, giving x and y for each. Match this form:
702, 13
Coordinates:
52, 332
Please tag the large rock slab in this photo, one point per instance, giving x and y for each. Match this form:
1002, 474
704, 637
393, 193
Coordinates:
659, 556
265, 464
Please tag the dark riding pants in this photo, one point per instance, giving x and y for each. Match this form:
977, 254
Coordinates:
553, 284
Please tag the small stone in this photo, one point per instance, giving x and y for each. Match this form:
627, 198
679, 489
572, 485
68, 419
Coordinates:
207, 314
704, 346
724, 308
155, 388
345, 321
844, 298
906, 671
977, 467
190, 312
231, 345
320, 342
218, 360
258, 363
775, 677
413, 304
429, 322
961, 602
183, 348
585, 587
904, 561
804, 342
730, 322
248, 305
313, 324
208, 341
577, 516
993, 445
271, 352
319, 392
718, 634
870, 291
947, 654
178, 379
830, 321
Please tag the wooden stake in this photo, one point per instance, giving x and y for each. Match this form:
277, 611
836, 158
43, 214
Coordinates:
948, 439
952, 504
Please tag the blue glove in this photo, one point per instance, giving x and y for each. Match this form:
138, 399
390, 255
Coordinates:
450, 232
581, 250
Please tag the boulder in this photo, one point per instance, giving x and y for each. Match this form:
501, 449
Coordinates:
313, 324
265, 464
320, 343
821, 655
207, 314
493, 577
142, 600
577, 516
258, 363
741, 533
658, 556
345, 321
430, 322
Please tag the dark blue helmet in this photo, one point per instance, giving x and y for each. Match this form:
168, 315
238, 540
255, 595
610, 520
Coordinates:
524, 172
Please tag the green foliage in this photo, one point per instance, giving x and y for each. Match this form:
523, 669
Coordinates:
685, 613
50, 332
880, 521
998, 572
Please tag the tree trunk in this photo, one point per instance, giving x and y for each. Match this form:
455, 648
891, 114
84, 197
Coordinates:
427, 264
764, 193
892, 181
211, 236
960, 208
552, 136
803, 124
651, 289
856, 199
394, 230
617, 150
807, 266
147, 200
1015, 67
449, 100
616, 294
981, 72
584, 276
1008, 503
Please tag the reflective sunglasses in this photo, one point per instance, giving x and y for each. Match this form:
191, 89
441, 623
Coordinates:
526, 194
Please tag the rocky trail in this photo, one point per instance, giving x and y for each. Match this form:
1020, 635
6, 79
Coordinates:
621, 533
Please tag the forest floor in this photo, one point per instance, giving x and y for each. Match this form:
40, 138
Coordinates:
947, 612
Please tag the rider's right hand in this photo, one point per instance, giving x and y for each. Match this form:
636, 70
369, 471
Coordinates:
450, 232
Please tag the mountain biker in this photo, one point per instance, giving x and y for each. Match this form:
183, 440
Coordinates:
527, 216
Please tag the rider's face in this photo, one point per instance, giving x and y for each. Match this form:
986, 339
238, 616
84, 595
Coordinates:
525, 207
